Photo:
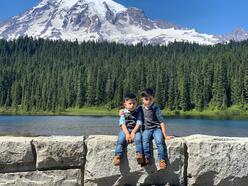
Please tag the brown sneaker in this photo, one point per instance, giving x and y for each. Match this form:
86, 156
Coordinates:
117, 160
162, 164
145, 162
139, 158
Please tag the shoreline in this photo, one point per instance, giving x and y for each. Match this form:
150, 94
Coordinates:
102, 111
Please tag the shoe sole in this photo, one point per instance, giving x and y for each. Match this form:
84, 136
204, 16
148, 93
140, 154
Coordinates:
140, 160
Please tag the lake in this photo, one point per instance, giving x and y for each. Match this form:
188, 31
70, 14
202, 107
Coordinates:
108, 125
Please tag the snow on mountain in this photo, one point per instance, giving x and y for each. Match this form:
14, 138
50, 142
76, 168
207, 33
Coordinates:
238, 34
97, 20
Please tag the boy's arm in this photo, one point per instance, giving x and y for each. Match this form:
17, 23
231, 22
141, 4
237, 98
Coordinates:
136, 128
124, 128
162, 123
121, 112
159, 115
122, 123
127, 134
138, 124
164, 130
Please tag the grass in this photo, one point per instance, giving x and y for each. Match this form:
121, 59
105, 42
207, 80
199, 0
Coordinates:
85, 111
234, 112
91, 111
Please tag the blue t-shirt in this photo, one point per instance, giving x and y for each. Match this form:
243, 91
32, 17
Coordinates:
130, 118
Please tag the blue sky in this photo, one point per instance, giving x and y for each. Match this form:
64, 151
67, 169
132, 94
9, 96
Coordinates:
208, 16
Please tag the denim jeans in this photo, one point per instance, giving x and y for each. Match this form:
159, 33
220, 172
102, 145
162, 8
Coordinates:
121, 142
157, 135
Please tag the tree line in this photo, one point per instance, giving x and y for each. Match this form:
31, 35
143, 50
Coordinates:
45, 75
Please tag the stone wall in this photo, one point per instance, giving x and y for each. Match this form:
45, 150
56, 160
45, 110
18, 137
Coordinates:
74, 160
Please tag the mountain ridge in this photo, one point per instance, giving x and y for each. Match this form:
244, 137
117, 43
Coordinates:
100, 20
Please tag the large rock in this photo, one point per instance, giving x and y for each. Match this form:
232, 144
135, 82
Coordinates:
59, 152
99, 169
217, 161
70, 177
16, 154
195, 160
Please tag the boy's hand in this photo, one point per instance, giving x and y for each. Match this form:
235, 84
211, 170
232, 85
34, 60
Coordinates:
168, 137
128, 138
121, 112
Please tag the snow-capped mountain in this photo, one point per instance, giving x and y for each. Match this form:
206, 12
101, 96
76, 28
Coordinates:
238, 34
98, 20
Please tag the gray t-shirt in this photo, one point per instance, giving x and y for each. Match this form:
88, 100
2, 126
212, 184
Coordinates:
152, 117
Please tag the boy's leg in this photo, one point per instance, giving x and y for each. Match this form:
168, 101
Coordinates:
139, 148
138, 143
160, 143
146, 136
120, 144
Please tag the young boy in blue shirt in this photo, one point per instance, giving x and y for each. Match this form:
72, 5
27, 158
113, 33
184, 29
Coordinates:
130, 124
154, 127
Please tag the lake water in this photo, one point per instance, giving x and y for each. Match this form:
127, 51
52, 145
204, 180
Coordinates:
86, 125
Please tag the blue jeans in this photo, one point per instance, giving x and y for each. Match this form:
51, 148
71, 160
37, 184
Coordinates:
121, 142
157, 135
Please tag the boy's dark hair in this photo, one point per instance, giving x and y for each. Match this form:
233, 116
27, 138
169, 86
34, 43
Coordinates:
129, 96
148, 92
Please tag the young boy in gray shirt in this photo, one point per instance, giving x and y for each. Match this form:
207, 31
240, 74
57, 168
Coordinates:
154, 127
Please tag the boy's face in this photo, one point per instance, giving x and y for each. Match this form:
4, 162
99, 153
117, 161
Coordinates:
130, 104
147, 100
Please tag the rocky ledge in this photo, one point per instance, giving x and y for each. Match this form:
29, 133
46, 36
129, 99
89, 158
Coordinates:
74, 160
